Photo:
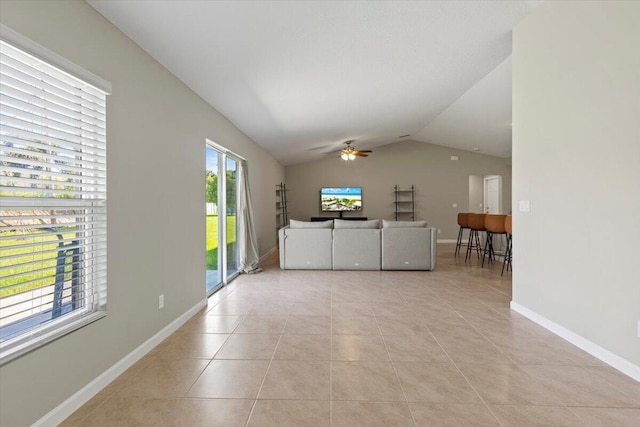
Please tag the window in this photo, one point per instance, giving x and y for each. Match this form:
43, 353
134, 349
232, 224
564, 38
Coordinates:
52, 196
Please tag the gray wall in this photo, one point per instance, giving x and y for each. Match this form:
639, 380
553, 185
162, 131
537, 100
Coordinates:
440, 182
576, 158
476, 193
156, 203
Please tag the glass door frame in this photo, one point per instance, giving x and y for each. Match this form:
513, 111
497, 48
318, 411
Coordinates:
223, 154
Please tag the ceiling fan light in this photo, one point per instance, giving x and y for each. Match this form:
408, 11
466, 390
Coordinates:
344, 156
351, 156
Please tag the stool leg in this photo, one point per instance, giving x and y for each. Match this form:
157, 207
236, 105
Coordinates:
488, 248
509, 263
459, 242
478, 244
507, 255
492, 254
469, 244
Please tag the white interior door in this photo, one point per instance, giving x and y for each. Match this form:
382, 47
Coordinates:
493, 194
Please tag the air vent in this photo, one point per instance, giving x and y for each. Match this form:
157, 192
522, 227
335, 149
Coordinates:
404, 136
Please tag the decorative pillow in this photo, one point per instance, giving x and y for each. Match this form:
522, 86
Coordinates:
343, 223
403, 224
313, 224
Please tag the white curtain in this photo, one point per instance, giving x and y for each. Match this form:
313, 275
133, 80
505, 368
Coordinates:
247, 240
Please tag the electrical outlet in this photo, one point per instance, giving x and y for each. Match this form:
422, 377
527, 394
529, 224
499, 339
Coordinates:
160, 301
455, 205
439, 231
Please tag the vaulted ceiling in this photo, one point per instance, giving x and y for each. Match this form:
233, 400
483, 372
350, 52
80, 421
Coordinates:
300, 78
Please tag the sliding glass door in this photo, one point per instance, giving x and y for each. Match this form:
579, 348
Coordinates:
231, 176
214, 256
221, 220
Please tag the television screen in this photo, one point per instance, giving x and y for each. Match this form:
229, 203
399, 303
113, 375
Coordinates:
339, 199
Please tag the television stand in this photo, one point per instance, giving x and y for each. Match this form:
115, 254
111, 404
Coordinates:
329, 218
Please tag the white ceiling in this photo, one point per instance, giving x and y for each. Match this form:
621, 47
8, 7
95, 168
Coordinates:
480, 119
301, 77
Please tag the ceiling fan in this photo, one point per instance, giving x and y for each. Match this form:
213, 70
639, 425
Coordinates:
350, 153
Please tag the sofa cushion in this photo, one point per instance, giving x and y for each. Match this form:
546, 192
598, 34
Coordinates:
313, 224
356, 249
343, 223
403, 224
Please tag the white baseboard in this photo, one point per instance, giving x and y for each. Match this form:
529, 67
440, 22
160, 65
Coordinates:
69, 406
269, 252
447, 241
592, 348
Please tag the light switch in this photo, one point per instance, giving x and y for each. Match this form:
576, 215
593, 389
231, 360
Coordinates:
525, 205
455, 158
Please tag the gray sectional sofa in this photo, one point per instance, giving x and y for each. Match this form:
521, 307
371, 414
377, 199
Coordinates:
358, 245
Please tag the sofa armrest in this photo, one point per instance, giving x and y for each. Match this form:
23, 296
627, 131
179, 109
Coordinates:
281, 248
409, 248
305, 248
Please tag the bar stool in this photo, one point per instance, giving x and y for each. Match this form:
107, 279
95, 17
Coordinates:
507, 255
463, 222
476, 224
494, 225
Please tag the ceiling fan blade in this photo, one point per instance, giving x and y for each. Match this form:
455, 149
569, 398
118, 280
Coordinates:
360, 154
365, 151
333, 151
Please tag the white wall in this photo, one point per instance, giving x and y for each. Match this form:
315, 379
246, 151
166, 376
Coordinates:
440, 182
156, 203
576, 158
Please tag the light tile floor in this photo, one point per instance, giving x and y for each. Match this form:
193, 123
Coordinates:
322, 348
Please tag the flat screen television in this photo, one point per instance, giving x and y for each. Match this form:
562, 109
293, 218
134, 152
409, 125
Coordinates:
341, 199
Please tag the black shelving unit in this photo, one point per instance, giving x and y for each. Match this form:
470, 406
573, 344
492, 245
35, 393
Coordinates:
405, 203
281, 206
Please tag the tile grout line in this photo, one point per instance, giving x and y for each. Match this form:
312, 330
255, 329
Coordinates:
395, 371
210, 361
488, 339
479, 332
331, 357
465, 378
514, 362
243, 317
79, 422
584, 367
256, 399
576, 415
255, 402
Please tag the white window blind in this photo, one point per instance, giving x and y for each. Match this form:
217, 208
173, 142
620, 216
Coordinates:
53, 179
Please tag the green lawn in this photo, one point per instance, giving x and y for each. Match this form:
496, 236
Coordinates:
212, 239
47, 263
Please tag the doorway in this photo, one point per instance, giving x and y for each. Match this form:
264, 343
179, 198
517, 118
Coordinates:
492, 194
485, 194
221, 189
